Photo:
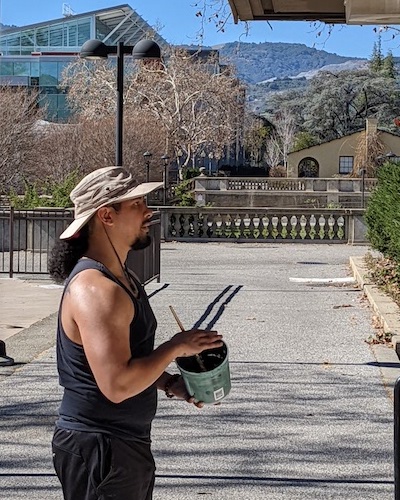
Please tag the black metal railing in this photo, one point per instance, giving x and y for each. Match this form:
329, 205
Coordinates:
27, 237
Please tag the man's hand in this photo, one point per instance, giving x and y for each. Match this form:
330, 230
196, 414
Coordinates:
193, 342
178, 389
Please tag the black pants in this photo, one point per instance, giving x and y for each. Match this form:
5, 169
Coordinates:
94, 466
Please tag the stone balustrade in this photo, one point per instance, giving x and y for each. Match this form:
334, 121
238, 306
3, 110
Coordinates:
340, 184
262, 225
281, 191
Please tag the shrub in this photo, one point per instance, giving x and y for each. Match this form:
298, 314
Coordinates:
277, 171
52, 194
383, 212
183, 195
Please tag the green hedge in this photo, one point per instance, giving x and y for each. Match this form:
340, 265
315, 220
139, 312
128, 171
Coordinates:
383, 212
50, 194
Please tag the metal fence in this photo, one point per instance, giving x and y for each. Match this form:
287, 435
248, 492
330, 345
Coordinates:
28, 236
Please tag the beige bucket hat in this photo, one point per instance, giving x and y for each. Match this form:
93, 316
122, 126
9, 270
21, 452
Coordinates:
102, 187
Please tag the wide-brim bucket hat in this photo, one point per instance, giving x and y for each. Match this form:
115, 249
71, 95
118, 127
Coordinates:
102, 187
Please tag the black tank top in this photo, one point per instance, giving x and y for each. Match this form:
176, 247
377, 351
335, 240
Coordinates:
84, 407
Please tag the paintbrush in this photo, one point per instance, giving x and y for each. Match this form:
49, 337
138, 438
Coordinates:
179, 322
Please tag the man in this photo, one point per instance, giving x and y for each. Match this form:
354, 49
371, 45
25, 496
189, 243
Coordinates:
106, 359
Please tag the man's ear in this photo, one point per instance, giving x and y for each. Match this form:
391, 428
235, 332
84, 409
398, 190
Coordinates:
106, 215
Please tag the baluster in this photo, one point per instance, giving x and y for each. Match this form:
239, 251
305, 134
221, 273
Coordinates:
313, 223
190, 229
237, 222
284, 223
256, 224
293, 223
171, 228
303, 223
274, 232
246, 224
331, 231
200, 225
210, 224
218, 223
321, 222
340, 223
182, 229
265, 230
228, 226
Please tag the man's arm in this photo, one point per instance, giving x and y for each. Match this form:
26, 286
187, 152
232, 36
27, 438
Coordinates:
103, 312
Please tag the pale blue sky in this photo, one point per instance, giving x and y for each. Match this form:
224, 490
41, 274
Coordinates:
180, 25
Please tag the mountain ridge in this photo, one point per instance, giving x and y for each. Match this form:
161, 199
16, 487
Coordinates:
260, 62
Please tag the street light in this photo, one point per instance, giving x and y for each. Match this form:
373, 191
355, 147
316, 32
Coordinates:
147, 155
95, 49
165, 158
362, 172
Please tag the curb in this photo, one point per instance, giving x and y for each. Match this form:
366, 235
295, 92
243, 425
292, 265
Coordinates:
388, 314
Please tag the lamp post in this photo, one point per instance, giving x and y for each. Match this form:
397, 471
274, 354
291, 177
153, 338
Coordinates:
362, 172
147, 155
95, 49
165, 159
210, 159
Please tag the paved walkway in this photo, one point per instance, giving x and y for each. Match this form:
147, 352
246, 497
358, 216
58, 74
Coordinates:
309, 415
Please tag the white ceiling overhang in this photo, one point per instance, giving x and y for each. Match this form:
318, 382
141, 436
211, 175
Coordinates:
328, 11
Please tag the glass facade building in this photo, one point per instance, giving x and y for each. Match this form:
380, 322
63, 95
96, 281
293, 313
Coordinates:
35, 55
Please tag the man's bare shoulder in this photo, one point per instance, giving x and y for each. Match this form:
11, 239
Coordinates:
92, 291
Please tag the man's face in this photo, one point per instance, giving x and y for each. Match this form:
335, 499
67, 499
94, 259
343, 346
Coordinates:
134, 218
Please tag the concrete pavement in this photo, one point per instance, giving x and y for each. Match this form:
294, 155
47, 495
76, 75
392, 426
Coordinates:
310, 411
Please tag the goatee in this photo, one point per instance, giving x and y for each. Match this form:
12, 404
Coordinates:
142, 243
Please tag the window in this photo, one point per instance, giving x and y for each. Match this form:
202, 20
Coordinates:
48, 73
56, 35
346, 164
22, 68
6, 68
308, 167
83, 31
42, 37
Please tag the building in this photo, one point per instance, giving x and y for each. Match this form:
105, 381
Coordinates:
335, 158
35, 55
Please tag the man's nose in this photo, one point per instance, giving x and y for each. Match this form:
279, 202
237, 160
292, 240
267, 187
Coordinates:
148, 213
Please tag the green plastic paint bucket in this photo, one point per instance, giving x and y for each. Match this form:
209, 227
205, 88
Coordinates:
210, 386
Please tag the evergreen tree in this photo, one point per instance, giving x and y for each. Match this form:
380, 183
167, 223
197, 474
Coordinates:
376, 61
388, 68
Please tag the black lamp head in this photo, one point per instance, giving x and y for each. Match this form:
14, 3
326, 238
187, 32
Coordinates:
146, 49
94, 49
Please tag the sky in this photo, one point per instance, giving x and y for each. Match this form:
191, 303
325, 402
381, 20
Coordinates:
176, 21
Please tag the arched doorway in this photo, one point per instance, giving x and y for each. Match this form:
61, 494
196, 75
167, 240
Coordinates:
308, 167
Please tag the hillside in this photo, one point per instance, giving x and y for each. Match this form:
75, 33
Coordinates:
258, 62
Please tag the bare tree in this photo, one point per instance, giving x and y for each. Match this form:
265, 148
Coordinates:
195, 100
273, 152
284, 132
18, 138
88, 144
194, 103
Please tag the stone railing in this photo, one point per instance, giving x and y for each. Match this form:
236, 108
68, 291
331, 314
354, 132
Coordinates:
262, 225
343, 184
281, 192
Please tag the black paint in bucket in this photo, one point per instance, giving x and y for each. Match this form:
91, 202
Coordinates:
212, 385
